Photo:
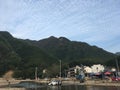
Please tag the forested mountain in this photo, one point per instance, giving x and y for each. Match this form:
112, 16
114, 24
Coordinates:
23, 56
70, 51
117, 53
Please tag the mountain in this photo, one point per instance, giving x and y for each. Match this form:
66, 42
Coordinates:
117, 53
7, 54
23, 56
71, 51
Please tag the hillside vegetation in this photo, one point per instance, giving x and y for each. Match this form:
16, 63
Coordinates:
73, 51
23, 56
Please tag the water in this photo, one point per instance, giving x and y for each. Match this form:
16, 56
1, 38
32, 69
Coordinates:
75, 87
35, 86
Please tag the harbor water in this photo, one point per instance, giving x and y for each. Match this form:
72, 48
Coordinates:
66, 87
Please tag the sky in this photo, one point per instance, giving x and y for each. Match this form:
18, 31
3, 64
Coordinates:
96, 22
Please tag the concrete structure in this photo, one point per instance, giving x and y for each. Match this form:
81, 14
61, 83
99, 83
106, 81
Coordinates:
73, 71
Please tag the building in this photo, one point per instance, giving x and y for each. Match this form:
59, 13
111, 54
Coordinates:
73, 71
97, 68
88, 69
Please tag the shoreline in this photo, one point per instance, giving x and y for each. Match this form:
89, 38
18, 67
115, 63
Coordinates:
93, 83
4, 83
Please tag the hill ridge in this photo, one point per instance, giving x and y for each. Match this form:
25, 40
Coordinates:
23, 56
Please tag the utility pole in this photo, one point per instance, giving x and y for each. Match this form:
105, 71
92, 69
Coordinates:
36, 73
60, 68
117, 65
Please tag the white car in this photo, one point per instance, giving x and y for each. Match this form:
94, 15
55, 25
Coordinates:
55, 82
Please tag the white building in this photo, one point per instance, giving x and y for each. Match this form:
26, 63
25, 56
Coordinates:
97, 68
72, 72
87, 69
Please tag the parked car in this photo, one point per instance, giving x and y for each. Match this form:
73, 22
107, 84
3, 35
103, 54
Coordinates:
55, 82
115, 78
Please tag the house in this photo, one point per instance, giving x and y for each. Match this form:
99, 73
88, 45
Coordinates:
73, 71
88, 69
97, 68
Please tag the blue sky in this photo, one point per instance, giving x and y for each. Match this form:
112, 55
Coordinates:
96, 22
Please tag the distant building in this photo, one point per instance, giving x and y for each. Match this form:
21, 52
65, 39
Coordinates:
113, 69
97, 68
87, 69
73, 71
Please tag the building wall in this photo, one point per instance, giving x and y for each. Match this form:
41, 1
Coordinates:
97, 68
